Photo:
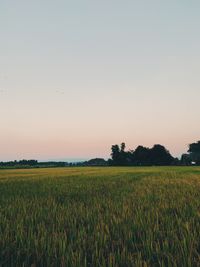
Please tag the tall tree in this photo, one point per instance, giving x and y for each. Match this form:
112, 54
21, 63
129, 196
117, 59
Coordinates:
119, 156
141, 156
115, 155
123, 146
161, 156
194, 151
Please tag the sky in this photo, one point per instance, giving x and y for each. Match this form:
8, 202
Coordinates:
78, 76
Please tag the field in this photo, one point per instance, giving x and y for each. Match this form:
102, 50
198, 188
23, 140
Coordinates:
100, 217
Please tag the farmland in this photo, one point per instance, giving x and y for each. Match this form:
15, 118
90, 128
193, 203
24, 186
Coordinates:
111, 216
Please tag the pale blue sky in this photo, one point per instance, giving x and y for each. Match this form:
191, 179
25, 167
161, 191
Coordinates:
79, 76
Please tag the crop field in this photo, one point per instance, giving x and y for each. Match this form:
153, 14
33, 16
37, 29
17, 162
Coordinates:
111, 216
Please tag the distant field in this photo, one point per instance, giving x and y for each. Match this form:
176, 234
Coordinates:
100, 217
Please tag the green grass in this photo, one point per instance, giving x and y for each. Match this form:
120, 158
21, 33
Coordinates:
100, 217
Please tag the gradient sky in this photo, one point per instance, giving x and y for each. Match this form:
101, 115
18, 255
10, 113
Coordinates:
78, 76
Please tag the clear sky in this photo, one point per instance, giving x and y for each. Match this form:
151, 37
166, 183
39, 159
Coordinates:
78, 76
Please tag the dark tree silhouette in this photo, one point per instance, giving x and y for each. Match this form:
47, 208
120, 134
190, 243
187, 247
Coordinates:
161, 156
124, 161
142, 156
186, 159
119, 156
123, 146
115, 154
194, 152
96, 162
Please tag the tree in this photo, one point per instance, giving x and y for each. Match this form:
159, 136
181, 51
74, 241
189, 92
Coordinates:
115, 154
95, 162
123, 146
119, 156
194, 152
186, 159
141, 156
160, 156
123, 155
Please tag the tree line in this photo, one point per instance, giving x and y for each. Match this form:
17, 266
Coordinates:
31, 164
158, 155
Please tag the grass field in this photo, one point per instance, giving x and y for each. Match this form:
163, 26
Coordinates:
100, 217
